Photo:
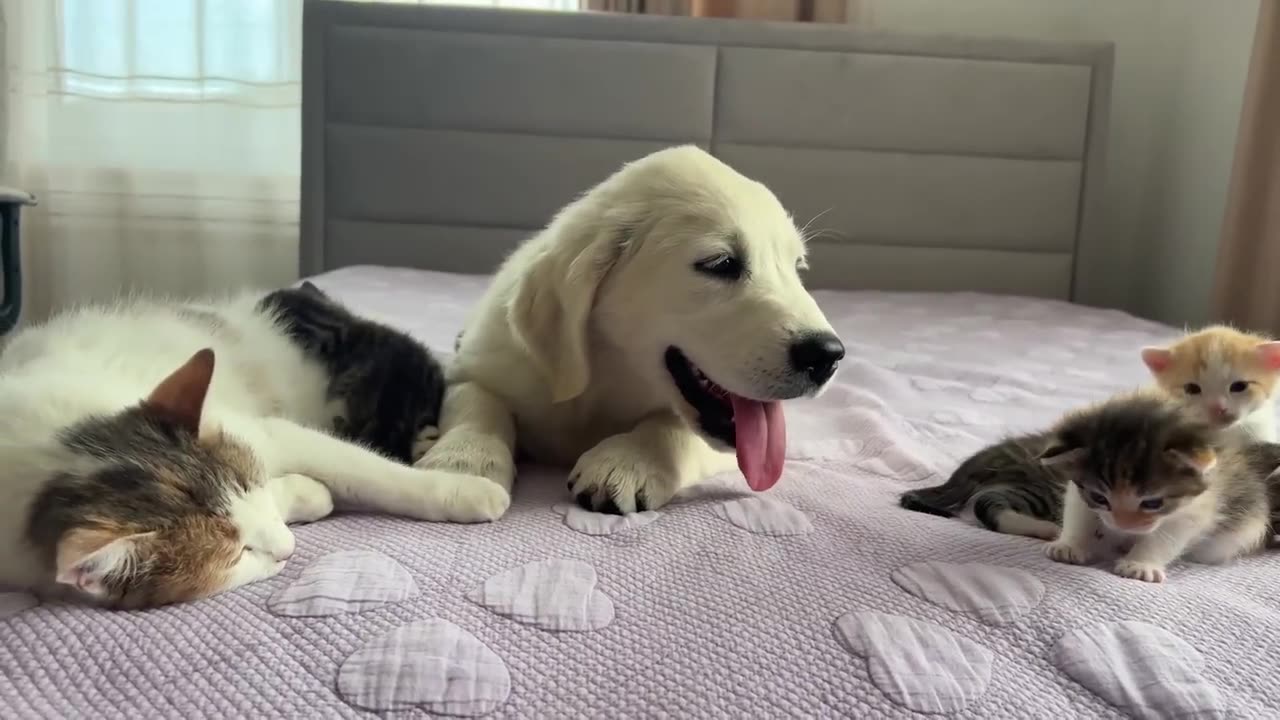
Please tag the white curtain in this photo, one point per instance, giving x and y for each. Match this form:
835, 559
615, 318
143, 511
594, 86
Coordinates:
161, 138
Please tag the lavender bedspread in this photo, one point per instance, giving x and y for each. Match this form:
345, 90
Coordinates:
819, 598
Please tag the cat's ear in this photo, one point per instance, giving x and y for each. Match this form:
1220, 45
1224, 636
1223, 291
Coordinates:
180, 397
1157, 359
86, 557
1060, 452
1269, 353
1194, 460
309, 288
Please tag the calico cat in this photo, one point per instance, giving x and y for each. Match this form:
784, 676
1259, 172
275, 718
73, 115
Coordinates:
389, 387
1231, 376
134, 474
1141, 465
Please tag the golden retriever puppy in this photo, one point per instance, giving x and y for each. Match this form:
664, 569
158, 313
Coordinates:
652, 327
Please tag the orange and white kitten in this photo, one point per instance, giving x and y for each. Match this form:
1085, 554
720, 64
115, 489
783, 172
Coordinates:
1229, 375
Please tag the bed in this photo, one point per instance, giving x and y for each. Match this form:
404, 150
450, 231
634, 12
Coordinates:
957, 182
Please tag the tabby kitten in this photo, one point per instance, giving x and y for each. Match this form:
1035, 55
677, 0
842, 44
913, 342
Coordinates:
1146, 469
1131, 465
1005, 488
1230, 376
388, 386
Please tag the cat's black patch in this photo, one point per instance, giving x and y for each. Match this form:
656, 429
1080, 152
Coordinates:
391, 384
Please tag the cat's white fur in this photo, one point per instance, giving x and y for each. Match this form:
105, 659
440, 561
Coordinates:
1193, 531
264, 392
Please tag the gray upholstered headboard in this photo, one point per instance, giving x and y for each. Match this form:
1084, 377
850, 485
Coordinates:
439, 137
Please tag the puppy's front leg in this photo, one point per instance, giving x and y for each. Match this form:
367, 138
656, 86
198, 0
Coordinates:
477, 436
642, 469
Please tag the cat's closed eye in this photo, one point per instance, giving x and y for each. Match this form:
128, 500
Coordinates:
1191, 389
1098, 498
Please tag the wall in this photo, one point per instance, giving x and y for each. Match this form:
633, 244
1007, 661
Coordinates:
1178, 86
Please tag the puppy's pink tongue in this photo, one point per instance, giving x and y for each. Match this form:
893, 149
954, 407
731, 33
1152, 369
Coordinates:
760, 432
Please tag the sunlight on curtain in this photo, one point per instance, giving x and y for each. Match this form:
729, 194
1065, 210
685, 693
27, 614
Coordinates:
162, 139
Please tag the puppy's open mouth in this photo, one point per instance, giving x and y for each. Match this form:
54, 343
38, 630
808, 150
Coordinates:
756, 429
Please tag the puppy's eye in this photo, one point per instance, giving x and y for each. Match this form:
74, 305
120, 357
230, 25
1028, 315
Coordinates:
1099, 499
1191, 389
1152, 504
724, 267
1239, 386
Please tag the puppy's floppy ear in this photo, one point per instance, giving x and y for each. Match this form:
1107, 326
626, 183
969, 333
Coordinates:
551, 308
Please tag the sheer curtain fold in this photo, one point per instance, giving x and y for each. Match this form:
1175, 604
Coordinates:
1246, 292
162, 139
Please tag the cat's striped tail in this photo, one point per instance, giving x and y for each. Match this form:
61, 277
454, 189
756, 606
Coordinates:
943, 500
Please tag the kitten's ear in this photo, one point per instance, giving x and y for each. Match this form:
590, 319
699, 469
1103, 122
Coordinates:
1060, 452
181, 395
1269, 353
86, 557
1196, 460
1157, 359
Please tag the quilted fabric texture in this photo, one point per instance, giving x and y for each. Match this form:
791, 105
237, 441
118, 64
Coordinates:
343, 582
710, 620
996, 595
916, 664
433, 664
592, 523
1142, 669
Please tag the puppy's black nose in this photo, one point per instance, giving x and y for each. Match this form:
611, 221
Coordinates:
817, 356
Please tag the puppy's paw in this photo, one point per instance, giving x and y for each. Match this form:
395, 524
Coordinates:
617, 478
1059, 551
1146, 572
302, 499
468, 453
476, 500
426, 439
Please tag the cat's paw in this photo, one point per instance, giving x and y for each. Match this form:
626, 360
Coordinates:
302, 499
617, 478
475, 500
1146, 572
426, 439
1063, 552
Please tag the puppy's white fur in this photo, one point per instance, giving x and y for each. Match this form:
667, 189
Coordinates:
564, 354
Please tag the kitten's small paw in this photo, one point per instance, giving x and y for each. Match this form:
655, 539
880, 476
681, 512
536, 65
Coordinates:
1145, 572
1066, 553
